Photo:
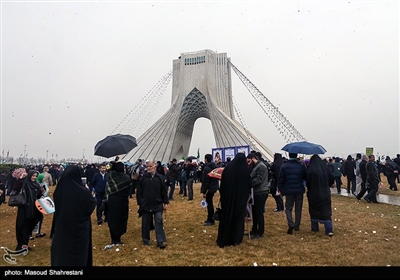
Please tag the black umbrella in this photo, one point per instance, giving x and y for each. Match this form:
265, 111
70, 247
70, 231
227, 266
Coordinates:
114, 145
304, 147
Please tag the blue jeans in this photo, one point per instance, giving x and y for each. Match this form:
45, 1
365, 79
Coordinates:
327, 224
183, 187
172, 189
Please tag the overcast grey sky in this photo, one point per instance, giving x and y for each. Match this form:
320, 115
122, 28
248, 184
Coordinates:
71, 71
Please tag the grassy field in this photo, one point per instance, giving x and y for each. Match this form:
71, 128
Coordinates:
364, 235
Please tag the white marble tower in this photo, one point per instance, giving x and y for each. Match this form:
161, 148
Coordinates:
201, 88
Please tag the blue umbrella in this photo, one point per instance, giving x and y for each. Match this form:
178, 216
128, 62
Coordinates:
304, 147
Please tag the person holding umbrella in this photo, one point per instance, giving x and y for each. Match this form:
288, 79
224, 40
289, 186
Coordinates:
291, 181
118, 189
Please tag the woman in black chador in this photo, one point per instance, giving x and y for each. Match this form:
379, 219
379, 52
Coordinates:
28, 215
118, 189
72, 237
234, 190
275, 167
319, 179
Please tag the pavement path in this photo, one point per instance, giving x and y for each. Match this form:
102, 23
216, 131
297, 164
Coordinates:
382, 198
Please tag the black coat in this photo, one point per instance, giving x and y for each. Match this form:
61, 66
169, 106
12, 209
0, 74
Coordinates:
208, 183
363, 170
72, 239
28, 215
151, 193
319, 179
235, 190
349, 167
118, 201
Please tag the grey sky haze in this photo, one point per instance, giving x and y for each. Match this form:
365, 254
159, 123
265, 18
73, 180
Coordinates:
71, 71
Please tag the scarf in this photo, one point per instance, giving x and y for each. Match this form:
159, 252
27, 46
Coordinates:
117, 181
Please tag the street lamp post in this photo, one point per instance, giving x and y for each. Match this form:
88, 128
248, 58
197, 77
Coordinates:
47, 155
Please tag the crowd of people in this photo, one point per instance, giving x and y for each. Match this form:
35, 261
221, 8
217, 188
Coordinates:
244, 186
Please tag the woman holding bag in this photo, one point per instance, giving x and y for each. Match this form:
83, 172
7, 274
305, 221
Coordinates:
28, 215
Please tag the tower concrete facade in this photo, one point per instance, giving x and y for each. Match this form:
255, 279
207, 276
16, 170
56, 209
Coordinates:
201, 88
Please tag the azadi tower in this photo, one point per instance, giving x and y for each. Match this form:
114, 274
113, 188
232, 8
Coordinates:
201, 89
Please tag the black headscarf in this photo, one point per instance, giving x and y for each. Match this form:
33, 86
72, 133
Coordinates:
72, 238
276, 165
118, 190
234, 189
117, 179
319, 179
33, 192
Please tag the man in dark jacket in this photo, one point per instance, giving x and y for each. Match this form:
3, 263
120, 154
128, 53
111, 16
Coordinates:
397, 161
363, 174
173, 176
373, 180
152, 199
391, 172
291, 183
190, 170
349, 168
259, 183
209, 186
98, 185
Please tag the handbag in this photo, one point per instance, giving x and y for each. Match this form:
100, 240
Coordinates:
217, 212
17, 198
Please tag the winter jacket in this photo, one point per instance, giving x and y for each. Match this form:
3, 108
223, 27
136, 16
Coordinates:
99, 183
259, 178
151, 193
349, 168
208, 183
292, 178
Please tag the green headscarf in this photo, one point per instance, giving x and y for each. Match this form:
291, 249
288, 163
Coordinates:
39, 178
